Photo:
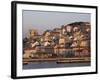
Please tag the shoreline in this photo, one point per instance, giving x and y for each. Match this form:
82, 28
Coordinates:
58, 60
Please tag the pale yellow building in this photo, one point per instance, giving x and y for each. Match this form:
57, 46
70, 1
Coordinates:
27, 53
32, 33
62, 40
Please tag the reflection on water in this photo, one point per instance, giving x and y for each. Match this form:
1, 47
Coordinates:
39, 65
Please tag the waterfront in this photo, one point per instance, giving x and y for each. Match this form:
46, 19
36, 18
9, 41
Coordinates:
39, 65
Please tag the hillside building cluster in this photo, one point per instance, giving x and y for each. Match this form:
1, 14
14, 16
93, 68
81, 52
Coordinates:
67, 41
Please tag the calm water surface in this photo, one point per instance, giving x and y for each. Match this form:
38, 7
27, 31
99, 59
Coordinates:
39, 65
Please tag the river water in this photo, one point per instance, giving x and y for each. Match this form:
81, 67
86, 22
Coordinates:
39, 65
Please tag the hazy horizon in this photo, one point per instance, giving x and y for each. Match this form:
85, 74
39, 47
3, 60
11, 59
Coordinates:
43, 20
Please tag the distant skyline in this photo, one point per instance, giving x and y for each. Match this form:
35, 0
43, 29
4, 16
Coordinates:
46, 20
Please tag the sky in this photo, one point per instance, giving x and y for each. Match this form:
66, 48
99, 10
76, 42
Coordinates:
47, 20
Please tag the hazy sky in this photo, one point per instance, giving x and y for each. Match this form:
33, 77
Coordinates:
42, 20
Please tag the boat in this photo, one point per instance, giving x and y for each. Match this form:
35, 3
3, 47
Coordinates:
72, 61
25, 63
